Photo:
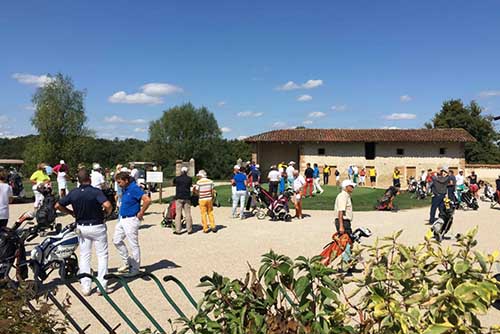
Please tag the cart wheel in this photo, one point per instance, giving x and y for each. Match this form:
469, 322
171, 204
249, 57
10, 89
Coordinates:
288, 217
261, 214
58, 228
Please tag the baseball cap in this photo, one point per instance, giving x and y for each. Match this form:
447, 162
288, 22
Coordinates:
124, 169
236, 167
184, 169
201, 173
347, 183
96, 166
61, 162
257, 166
291, 163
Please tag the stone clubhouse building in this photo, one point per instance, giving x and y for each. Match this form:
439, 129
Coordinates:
411, 150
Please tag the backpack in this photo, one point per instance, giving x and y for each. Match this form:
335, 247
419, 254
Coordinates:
335, 248
46, 214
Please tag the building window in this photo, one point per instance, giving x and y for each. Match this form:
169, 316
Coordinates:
321, 151
442, 151
369, 151
400, 151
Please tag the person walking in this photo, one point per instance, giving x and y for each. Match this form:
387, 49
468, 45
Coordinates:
396, 178
183, 184
239, 181
344, 212
373, 177
274, 179
350, 172
38, 177
289, 173
5, 197
439, 188
204, 188
298, 185
130, 215
87, 205
309, 174
97, 179
326, 174
317, 185
61, 170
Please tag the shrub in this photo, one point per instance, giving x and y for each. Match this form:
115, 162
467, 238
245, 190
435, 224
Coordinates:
427, 289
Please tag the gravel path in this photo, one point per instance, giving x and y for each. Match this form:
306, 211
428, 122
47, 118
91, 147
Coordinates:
189, 257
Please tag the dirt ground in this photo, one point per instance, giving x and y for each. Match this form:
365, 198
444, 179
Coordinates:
189, 257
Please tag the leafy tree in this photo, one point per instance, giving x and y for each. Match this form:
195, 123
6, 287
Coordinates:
60, 121
454, 114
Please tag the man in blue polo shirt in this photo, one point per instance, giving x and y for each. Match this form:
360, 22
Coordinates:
88, 204
131, 214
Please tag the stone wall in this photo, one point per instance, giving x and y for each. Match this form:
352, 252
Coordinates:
189, 164
487, 173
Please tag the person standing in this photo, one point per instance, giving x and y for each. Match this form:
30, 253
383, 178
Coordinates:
355, 174
255, 175
309, 174
38, 177
274, 179
460, 183
204, 188
298, 185
130, 215
134, 172
362, 176
317, 185
283, 180
396, 178
239, 181
289, 173
473, 184
326, 174
439, 188
337, 177
88, 204
61, 170
373, 176
97, 179
344, 212
350, 172
452, 184
423, 178
183, 184
5, 198
497, 183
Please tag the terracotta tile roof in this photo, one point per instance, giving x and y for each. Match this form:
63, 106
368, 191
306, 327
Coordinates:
363, 135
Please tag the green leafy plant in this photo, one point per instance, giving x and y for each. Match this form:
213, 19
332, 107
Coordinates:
426, 289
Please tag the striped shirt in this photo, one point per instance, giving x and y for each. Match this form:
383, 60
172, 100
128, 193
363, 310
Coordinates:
205, 188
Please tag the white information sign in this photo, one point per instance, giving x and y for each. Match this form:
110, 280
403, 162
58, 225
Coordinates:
154, 177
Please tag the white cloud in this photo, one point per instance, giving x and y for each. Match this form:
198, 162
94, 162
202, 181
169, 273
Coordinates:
3, 119
118, 119
242, 137
225, 130
390, 127
279, 125
307, 122
290, 85
340, 107
160, 89
304, 98
317, 114
309, 84
30, 79
140, 130
249, 114
221, 103
405, 98
489, 93
136, 98
400, 116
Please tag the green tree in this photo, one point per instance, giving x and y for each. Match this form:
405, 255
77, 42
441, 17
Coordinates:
60, 121
454, 114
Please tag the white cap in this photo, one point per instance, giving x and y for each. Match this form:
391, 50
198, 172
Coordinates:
291, 163
236, 167
96, 166
257, 166
201, 173
124, 169
460, 170
184, 169
61, 162
347, 183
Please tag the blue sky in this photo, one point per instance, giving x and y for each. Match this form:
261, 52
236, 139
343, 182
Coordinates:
257, 65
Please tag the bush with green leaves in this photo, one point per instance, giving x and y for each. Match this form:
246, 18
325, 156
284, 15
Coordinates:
428, 289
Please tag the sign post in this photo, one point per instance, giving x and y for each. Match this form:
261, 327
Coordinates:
156, 177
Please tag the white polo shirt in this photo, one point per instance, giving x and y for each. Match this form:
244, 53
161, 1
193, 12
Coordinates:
343, 203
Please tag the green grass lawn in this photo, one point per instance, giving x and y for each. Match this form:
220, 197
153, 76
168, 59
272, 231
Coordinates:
363, 199
28, 187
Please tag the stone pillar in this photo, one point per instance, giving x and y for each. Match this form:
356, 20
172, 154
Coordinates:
178, 166
191, 168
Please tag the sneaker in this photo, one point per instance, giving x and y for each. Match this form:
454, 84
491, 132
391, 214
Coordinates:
124, 269
214, 230
86, 292
206, 231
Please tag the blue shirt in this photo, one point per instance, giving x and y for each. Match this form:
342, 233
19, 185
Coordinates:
240, 179
316, 172
131, 200
87, 204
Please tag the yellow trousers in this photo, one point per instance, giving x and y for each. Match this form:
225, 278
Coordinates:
207, 209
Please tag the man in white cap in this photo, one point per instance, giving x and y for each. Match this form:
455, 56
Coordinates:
183, 184
460, 179
343, 208
97, 179
289, 173
61, 170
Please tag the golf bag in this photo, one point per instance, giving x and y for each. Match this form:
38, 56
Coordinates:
488, 193
469, 201
386, 202
277, 209
340, 242
442, 225
110, 194
169, 215
12, 254
16, 183
420, 192
46, 213
412, 185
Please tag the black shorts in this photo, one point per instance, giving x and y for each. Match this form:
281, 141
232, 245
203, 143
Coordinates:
273, 187
373, 178
347, 225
